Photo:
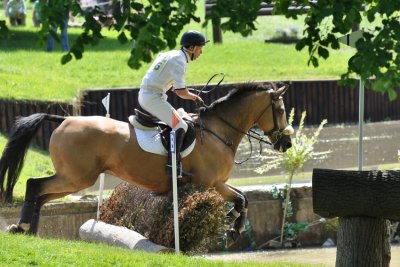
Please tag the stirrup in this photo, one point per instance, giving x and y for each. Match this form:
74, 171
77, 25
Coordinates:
185, 174
180, 173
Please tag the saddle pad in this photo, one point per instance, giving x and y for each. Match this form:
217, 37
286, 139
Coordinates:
150, 141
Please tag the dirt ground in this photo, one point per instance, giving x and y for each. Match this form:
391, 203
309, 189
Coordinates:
318, 256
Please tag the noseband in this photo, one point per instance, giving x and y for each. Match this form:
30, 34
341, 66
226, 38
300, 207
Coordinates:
276, 130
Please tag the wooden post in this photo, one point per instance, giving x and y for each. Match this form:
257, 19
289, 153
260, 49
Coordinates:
363, 241
363, 200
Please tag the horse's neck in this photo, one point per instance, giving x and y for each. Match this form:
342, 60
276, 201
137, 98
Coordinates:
232, 124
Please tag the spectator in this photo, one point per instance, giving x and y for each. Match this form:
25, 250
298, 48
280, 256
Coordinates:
64, 34
37, 13
16, 11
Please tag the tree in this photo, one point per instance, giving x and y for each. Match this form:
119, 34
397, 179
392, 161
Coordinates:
293, 160
154, 25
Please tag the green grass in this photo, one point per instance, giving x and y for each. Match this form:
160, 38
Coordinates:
28, 72
19, 250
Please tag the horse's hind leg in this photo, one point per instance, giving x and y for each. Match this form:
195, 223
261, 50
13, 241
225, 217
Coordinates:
34, 224
34, 200
29, 207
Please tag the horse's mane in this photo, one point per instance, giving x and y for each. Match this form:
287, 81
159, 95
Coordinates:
239, 92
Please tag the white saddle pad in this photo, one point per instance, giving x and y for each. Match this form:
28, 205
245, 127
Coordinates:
150, 141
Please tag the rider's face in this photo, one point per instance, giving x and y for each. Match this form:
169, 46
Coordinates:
197, 51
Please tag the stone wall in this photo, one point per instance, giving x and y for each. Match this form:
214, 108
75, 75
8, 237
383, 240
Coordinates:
265, 216
63, 219
58, 220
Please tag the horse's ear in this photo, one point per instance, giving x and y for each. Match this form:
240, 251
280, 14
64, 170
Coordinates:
278, 93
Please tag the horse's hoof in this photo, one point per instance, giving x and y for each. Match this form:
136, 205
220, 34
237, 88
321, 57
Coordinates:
14, 229
231, 237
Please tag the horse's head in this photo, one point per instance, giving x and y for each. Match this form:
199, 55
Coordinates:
273, 120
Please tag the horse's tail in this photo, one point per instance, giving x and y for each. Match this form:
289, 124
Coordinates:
12, 160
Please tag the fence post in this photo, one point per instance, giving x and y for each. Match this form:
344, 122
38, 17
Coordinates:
175, 190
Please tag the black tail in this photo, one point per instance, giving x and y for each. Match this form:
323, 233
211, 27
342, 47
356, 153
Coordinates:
12, 160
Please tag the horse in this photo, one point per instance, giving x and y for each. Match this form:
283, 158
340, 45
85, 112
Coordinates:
82, 147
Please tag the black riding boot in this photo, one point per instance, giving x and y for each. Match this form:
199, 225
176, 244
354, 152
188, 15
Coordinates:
179, 135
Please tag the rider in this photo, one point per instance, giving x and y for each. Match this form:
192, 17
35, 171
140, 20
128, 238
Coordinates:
168, 72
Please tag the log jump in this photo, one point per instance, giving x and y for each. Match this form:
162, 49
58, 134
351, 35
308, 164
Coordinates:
363, 201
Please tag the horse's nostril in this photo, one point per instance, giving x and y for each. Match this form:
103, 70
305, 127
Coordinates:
288, 145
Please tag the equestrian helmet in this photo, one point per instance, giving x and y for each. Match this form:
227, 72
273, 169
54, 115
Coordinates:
193, 38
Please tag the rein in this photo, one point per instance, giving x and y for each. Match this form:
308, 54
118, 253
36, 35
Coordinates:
201, 91
251, 134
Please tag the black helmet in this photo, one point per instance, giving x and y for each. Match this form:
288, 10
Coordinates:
192, 38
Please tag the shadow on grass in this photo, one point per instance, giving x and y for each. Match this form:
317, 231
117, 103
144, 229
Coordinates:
21, 39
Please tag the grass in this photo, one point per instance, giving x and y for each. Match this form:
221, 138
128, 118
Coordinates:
28, 72
19, 250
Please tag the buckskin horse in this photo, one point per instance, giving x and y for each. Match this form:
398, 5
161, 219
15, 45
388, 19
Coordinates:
83, 147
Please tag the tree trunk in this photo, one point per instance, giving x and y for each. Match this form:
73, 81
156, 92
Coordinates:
363, 241
338, 193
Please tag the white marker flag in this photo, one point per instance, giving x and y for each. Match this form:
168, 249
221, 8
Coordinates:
351, 38
106, 103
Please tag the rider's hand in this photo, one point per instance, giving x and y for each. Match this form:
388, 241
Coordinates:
199, 101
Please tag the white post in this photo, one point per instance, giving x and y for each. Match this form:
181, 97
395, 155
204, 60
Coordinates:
100, 200
360, 124
175, 190
106, 103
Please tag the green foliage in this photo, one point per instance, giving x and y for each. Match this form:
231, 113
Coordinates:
4, 31
201, 215
155, 25
290, 229
377, 55
302, 150
241, 14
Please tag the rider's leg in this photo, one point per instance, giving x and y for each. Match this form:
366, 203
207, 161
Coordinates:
155, 103
179, 135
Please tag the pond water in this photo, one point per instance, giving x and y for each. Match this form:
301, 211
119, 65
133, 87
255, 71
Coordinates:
318, 256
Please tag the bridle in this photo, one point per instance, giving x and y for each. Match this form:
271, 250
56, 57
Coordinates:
276, 131
251, 134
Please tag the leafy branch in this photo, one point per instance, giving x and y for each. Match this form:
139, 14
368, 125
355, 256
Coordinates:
294, 159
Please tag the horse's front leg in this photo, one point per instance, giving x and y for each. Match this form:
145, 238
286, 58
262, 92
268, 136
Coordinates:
238, 214
240, 221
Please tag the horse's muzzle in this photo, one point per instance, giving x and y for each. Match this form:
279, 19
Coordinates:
283, 144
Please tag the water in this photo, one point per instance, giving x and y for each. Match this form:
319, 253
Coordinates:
380, 147
321, 256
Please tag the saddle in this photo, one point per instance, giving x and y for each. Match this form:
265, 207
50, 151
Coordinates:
145, 121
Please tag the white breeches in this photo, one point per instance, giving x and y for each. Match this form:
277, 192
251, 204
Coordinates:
155, 102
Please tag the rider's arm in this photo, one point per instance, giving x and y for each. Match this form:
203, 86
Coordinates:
185, 94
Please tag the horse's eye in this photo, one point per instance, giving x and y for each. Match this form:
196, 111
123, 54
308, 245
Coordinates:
280, 111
